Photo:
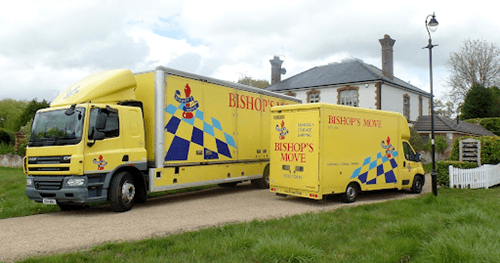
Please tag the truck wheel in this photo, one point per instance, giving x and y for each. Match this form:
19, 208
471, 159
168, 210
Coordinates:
418, 184
351, 193
122, 192
262, 183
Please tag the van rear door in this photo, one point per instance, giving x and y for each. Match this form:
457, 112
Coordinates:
295, 151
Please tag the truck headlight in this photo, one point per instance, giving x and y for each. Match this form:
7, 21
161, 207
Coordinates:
29, 181
75, 182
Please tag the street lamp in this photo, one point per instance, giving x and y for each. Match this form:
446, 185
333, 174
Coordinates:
432, 25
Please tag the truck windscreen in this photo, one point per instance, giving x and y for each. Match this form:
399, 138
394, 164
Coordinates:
58, 127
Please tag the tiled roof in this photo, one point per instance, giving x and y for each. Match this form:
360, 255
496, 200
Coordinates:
444, 124
348, 72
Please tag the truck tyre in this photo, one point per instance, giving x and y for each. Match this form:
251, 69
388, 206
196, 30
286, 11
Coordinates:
351, 193
122, 192
262, 183
418, 184
141, 195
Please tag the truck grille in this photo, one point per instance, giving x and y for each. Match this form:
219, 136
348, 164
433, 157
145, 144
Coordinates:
48, 169
48, 184
49, 159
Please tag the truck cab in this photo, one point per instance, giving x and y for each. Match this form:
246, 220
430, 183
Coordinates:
74, 151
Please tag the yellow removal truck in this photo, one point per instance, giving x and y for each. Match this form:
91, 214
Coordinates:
115, 135
321, 149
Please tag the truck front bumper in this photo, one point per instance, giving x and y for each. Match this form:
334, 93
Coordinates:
56, 188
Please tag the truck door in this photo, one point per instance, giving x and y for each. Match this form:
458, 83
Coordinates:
104, 148
295, 158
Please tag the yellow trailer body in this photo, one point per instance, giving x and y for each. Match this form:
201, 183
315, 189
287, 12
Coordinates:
116, 135
321, 149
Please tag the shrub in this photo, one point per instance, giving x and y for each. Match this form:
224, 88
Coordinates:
6, 148
21, 149
490, 149
416, 140
443, 177
440, 143
6, 137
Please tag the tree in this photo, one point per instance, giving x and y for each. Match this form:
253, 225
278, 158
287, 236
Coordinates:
496, 96
445, 109
10, 110
479, 103
29, 112
247, 80
477, 63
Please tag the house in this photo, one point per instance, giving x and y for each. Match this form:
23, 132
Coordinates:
355, 83
450, 128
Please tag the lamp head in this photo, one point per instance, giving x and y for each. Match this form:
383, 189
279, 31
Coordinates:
433, 23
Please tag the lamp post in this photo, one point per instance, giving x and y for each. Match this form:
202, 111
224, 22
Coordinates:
432, 24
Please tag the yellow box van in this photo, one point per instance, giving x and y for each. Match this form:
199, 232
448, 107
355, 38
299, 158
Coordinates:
321, 149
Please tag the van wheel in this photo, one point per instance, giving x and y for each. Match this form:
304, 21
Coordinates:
122, 192
418, 184
351, 193
262, 183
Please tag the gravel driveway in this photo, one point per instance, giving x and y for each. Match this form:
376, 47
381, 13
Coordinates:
70, 231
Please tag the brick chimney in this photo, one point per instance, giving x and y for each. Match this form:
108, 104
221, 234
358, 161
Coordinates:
275, 70
387, 58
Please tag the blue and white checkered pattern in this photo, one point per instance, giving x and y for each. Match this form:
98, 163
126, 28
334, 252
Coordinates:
375, 168
200, 128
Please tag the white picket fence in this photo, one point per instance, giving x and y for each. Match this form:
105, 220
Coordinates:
482, 177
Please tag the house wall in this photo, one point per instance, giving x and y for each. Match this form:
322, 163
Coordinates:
368, 96
392, 98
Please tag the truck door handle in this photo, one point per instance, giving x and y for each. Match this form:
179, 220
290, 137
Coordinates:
404, 164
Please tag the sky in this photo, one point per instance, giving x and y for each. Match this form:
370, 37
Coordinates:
46, 46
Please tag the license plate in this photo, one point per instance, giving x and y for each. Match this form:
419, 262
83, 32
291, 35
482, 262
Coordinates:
49, 201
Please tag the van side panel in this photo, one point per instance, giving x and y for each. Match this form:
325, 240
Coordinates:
366, 146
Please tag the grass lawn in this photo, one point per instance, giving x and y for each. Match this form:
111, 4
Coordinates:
13, 199
459, 225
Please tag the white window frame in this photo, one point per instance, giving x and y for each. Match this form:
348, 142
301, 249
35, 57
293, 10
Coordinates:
349, 97
314, 98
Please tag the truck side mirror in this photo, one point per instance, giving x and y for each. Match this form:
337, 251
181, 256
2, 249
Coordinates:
100, 122
96, 136
417, 157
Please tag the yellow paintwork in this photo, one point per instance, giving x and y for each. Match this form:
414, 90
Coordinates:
109, 86
322, 145
196, 173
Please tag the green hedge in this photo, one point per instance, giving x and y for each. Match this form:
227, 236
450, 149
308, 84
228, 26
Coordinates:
443, 177
490, 149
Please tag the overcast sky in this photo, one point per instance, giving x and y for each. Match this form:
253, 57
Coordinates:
45, 46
